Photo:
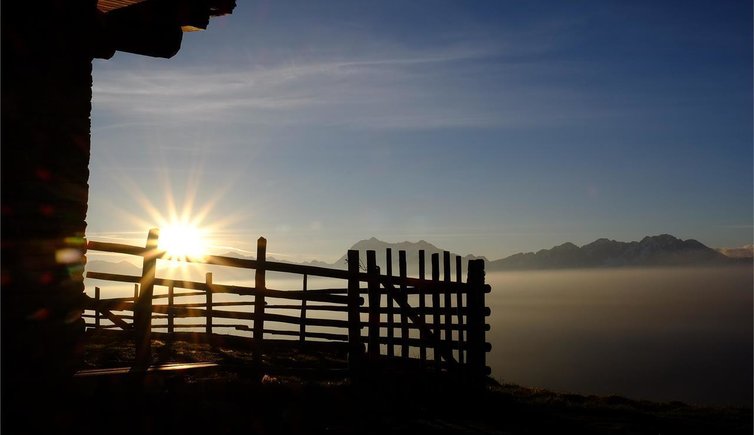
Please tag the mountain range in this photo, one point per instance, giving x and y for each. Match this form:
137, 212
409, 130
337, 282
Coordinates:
660, 250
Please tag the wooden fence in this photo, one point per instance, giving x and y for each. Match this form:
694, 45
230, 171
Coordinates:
438, 323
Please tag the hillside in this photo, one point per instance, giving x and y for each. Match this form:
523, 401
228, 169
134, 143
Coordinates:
231, 400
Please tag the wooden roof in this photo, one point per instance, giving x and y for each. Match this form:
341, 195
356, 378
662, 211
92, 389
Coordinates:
216, 7
109, 5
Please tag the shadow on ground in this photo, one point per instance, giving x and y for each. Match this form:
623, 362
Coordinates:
234, 398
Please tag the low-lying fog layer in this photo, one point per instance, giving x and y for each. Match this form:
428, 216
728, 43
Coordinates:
659, 334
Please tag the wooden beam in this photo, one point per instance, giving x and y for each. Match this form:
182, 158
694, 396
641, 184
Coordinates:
143, 305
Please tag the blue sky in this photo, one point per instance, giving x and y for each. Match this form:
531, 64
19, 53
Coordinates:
484, 127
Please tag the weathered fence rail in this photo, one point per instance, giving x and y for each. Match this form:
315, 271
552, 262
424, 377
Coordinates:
439, 323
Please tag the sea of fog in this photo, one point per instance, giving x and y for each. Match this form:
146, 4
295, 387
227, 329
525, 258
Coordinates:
661, 334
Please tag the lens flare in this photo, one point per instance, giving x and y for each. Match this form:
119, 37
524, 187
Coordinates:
182, 241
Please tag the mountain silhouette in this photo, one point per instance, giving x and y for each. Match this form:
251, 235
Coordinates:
660, 250
412, 255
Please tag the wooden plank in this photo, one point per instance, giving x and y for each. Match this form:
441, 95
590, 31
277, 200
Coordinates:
281, 318
112, 303
273, 266
171, 304
354, 327
436, 305
216, 304
177, 295
309, 270
108, 304
116, 248
460, 309
143, 306
453, 345
373, 349
259, 283
195, 325
96, 312
295, 320
311, 296
302, 331
109, 327
402, 270
422, 304
117, 320
476, 353
113, 277
218, 260
425, 311
327, 291
411, 326
389, 305
448, 301
182, 312
208, 295
333, 308
323, 335
151, 369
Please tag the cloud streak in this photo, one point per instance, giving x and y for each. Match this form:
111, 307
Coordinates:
409, 90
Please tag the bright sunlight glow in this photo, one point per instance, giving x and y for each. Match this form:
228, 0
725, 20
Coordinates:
182, 240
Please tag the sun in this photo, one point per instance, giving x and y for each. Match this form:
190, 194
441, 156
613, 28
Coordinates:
182, 241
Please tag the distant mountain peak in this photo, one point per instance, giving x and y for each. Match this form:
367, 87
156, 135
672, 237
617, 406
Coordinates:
411, 248
658, 250
741, 253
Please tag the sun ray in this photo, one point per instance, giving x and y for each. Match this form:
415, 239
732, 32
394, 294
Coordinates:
182, 241
187, 215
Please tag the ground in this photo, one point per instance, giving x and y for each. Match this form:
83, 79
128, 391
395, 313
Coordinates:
233, 397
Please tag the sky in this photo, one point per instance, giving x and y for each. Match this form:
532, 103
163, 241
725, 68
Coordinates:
484, 127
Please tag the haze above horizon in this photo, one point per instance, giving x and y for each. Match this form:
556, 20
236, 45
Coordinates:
488, 128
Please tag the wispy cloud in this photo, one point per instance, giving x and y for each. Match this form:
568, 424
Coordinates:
459, 86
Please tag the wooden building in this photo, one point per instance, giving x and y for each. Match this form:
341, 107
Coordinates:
47, 52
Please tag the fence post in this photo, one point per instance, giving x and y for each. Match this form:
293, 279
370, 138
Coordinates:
354, 317
96, 307
459, 301
208, 281
374, 306
143, 304
448, 301
422, 307
436, 306
404, 294
259, 284
302, 330
389, 303
475, 321
171, 314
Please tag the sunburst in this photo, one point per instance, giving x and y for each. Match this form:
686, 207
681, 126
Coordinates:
188, 228
183, 240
